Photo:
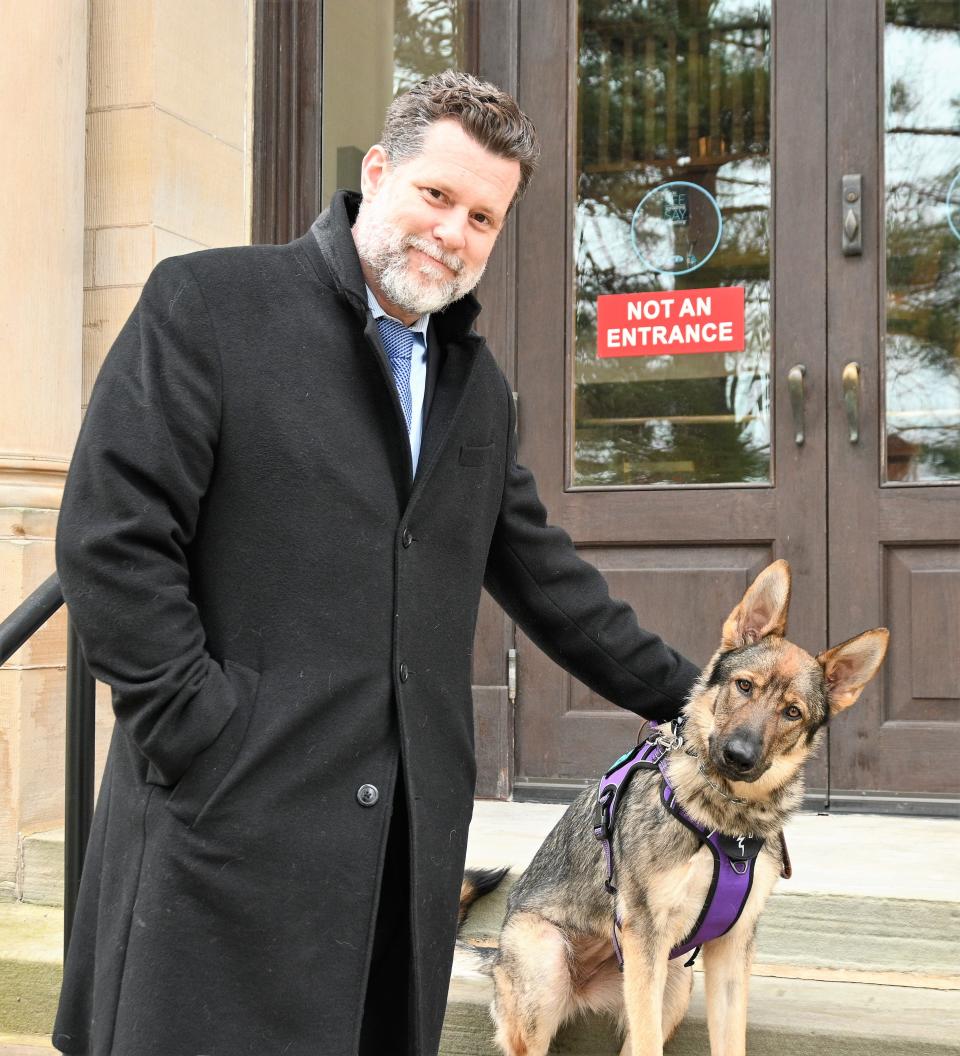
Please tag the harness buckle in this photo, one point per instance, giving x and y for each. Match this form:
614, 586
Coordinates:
600, 828
670, 742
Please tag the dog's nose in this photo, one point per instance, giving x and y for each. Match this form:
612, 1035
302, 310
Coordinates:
741, 753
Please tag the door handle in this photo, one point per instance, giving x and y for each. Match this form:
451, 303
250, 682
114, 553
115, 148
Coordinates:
851, 399
795, 378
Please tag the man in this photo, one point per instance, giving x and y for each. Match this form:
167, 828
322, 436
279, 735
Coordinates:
273, 540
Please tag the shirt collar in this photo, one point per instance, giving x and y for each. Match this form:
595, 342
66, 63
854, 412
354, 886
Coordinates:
418, 327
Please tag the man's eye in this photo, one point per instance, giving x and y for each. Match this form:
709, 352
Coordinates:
434, 193
744, 685
482, 218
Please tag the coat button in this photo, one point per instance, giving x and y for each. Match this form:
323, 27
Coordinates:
367, 795
404, 672
406, 538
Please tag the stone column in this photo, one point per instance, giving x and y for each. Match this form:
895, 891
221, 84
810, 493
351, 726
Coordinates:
169, 145
127, 131
43, 68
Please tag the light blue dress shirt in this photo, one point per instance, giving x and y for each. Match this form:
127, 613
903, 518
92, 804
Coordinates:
418, 373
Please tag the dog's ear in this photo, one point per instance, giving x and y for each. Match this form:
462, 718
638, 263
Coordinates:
847, 668
763, 609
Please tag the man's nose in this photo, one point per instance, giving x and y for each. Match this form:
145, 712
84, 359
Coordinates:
451, 231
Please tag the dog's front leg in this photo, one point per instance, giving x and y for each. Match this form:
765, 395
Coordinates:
726, 964
644, 979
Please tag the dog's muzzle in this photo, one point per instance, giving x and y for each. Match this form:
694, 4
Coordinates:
739, 757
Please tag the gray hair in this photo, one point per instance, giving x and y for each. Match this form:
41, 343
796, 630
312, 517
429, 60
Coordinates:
485, 112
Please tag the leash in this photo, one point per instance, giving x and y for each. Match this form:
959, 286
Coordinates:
734, 857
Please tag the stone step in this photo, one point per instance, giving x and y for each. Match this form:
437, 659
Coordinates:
864, 934
802, 1017
25, 1045
31, 956
42, 870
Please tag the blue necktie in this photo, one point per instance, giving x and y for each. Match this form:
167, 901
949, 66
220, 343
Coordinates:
398, 344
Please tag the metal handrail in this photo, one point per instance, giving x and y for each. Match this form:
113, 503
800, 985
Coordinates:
29, 616
25, 620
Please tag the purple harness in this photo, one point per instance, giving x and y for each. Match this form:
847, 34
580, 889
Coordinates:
734, 857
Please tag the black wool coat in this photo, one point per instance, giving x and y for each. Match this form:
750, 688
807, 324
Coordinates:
285, 616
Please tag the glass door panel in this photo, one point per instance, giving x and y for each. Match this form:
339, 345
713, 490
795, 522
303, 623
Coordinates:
392, 45
922, 182
673, 195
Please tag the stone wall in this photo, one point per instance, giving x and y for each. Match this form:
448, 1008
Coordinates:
128, 128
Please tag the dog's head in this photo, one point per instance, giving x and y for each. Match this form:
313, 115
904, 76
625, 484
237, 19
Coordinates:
762, 701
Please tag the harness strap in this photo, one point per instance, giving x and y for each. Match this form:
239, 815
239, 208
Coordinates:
733, 867
733, 857
613, 786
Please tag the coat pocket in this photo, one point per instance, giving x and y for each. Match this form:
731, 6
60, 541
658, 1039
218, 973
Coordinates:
471, 455
196, 788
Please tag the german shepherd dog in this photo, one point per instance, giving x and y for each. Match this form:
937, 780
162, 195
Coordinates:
751, 721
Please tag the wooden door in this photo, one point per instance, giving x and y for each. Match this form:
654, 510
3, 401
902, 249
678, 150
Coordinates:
894, 311
680, 477
649, 93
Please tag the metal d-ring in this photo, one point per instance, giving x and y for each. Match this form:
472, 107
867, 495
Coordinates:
670, 743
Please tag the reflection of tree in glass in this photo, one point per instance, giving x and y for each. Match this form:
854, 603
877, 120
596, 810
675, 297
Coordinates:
428, 37
923, 255
673, 89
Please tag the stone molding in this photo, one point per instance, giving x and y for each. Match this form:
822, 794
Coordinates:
32, 483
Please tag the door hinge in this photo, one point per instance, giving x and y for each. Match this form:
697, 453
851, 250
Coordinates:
512, 675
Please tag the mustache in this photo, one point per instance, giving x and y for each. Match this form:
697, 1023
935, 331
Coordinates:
451, 260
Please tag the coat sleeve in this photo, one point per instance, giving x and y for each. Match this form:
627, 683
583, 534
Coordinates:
563, 604
141, 466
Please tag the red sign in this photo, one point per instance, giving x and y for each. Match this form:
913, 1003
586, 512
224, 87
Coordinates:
669, 323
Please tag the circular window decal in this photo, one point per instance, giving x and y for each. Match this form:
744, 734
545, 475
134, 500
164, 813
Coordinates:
676, 228
953, 205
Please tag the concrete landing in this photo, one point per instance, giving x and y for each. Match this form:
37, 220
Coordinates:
839, 854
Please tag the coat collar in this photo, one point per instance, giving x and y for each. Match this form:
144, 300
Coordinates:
330, 247
452, 342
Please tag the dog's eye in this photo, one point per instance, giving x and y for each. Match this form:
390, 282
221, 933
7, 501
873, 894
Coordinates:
744, 685
793, 712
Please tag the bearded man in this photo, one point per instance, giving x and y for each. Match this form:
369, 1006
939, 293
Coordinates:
297, 471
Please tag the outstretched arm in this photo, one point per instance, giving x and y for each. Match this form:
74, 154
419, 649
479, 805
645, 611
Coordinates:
563, 604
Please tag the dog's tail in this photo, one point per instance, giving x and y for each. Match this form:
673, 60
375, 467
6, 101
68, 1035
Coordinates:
477, 883
475, 957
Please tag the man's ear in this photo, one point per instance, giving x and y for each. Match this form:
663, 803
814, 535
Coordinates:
848, 667
374, 167
763, 609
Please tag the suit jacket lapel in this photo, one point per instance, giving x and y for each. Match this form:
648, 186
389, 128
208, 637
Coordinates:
434, 359
404, 468
454, 362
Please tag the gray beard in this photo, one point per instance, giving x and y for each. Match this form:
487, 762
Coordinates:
383, 248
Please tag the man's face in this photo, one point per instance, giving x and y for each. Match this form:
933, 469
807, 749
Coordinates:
427, 225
